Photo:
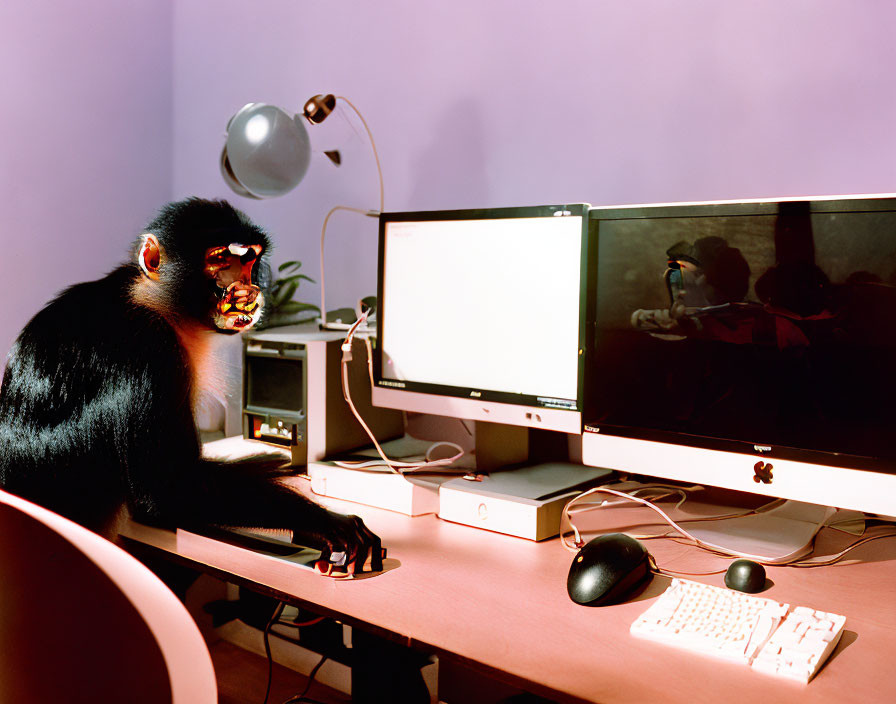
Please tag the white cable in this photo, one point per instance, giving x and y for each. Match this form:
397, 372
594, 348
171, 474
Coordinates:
578, 543
398, 467
376, 156
369, 213
323, 285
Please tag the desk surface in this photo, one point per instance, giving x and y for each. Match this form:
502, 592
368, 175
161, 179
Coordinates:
500, 603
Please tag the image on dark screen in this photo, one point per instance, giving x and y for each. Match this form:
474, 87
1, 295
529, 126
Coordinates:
770, 328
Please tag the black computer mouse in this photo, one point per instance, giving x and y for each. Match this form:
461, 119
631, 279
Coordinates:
608, 569
745, 576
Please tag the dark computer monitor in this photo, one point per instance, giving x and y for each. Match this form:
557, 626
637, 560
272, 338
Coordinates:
750, 346
482, 314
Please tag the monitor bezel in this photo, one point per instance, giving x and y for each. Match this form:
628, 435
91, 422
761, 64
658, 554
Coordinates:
484, 404
804, 474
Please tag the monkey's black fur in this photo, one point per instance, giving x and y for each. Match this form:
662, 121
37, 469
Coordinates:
95, 404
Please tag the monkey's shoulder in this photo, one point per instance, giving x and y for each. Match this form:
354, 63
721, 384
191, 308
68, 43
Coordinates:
96, 327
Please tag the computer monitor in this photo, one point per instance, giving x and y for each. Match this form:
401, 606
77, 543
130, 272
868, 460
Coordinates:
482, 314
750, 346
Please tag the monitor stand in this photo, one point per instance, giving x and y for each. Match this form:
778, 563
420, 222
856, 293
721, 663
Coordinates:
780, 533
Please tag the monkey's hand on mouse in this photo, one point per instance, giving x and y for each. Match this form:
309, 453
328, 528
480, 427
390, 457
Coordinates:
347, 545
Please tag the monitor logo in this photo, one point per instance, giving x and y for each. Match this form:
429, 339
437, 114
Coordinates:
476, 394
762, 472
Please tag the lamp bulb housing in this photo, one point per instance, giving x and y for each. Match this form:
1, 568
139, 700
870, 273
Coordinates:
319, 107
267, 151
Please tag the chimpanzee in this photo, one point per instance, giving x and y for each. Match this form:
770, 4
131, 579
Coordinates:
97, 400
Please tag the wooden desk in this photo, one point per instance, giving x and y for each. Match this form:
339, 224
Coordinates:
499, 604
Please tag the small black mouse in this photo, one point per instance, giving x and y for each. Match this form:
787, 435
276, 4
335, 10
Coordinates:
745, 576
607, 570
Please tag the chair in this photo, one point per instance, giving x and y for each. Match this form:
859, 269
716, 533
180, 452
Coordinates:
83, 621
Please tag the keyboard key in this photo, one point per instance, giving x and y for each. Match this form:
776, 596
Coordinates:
741, 627
806, 640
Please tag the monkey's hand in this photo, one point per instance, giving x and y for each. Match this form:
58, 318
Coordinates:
347, 545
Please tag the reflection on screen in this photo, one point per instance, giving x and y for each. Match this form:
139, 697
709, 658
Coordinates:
775, 329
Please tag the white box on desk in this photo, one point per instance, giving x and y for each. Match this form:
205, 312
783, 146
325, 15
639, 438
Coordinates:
380, 487
526, 502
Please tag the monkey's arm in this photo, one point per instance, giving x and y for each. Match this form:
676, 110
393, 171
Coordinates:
249, 494
171, 484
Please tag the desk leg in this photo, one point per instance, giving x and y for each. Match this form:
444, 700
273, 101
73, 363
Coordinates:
385, 671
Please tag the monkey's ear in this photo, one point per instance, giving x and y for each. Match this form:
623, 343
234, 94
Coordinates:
149, 256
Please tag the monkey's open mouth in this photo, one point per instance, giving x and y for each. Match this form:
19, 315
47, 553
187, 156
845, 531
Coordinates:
239, 308
236, 319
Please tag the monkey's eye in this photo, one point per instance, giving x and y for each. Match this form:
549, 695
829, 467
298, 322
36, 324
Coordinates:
217, 254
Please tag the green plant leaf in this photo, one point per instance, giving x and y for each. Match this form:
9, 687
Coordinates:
295, 277
292, 266
296, 307
369, 302
278, 320
346, 315
285, 294
282, 310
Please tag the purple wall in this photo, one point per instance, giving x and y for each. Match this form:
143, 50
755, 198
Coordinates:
513, 102
112, 108
85, 142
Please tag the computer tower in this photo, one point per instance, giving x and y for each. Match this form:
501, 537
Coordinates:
292, 394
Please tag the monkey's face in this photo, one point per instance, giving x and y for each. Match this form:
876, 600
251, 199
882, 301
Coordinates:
238, 300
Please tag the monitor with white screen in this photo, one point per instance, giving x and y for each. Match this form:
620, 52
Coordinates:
749, 346
482, 314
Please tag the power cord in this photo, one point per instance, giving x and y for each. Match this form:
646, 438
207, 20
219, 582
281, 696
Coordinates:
275, 620
267, 646
303, 696
398, 467
684, 536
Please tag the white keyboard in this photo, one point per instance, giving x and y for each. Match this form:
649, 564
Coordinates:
742, 627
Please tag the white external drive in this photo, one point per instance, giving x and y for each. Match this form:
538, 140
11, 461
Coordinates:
525, 502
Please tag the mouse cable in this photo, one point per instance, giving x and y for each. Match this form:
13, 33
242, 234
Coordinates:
398, 467
666, 572
652, 566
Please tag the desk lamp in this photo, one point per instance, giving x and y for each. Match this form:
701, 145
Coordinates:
267, 154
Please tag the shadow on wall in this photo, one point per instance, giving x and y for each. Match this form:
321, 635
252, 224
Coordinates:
451, 171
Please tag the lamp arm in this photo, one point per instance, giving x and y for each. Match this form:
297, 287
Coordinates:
376, 155
323, 235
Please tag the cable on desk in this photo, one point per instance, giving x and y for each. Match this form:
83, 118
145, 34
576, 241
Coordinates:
400, 468
686, 538
840, 555
579, 542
